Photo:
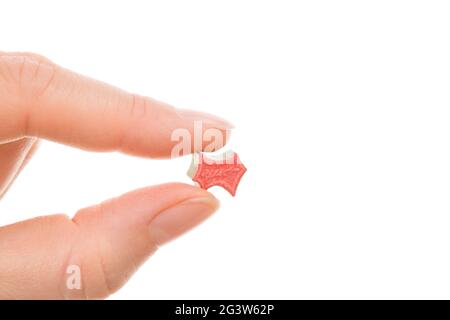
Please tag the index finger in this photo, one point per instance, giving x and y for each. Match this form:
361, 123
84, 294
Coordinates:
40, 98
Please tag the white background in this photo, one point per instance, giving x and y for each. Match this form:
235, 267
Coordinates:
342, 111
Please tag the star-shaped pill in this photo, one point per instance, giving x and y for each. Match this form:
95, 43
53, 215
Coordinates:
224, 170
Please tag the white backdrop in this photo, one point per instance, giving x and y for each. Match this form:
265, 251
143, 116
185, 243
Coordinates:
342, 113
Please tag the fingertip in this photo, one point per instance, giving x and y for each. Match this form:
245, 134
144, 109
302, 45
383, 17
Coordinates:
177, 220
129, 228
208, 118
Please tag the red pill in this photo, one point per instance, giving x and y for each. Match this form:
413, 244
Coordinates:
225, 170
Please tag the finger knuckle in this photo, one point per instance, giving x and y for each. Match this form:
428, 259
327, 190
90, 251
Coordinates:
138, 107
87, 256
27, 74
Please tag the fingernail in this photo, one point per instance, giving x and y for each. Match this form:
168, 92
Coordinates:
206, 117
176, 220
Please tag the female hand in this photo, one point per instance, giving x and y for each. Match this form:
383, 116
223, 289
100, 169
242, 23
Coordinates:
105, 243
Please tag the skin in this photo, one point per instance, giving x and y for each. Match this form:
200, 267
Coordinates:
108, 241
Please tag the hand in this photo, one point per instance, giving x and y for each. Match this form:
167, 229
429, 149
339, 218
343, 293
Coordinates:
108, 241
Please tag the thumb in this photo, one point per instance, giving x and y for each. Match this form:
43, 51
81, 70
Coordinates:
102, 244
